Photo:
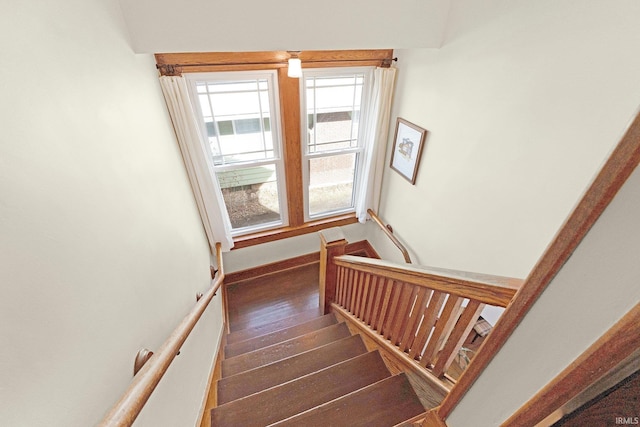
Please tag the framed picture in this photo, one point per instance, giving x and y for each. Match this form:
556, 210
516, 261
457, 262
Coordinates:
407, 148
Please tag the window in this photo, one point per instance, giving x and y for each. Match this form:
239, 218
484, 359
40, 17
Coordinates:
239, 115
332, 104
288, 153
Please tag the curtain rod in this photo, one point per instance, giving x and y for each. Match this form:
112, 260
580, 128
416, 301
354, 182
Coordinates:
176, 69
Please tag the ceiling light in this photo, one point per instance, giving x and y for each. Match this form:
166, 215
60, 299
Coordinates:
295, 65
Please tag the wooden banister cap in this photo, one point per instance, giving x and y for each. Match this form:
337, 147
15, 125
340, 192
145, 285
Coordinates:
333, 234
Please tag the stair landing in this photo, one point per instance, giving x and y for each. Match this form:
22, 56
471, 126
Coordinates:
285, 363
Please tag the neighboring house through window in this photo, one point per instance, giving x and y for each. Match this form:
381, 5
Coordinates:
288, 154
239, 117
333, 100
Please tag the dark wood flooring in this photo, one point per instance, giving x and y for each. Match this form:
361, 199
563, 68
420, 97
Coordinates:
276, 298
272, 297
265, 299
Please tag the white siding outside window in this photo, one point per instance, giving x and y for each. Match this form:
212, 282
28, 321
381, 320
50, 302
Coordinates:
239, 117
333, 102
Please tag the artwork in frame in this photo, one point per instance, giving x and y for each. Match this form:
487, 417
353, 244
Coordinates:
407, 149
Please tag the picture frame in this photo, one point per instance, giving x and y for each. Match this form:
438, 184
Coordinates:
408, 142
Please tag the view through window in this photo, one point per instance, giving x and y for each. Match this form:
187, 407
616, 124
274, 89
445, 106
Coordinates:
240, 119
239, 115
333, 100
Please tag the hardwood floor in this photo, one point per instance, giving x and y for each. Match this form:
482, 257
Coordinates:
265, 299
272, 297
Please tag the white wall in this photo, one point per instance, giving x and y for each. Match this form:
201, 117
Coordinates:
201, 25
253, 256
101, 248
522, 104
593, 290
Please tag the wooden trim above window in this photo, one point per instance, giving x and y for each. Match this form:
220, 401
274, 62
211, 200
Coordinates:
289, 92
197, 62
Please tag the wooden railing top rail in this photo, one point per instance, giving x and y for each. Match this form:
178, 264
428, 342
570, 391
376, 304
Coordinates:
485, 288
125, 411
394, 239
621, 163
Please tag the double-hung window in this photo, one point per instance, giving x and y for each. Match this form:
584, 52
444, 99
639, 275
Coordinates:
290, 155
333, 104
239, 117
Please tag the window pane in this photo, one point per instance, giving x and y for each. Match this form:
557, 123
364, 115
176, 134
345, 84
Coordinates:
238, 120
333, 112
247, 126
251, 195
331, 183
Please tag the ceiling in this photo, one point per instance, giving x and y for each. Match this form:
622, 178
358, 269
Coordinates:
212, 25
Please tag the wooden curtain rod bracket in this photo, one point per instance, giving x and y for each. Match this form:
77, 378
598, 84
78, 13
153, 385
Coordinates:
386, 63
169, 69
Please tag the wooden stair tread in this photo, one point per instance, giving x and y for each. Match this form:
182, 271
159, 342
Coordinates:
261, 341
282, 350
385, 403
268, 327
261, 378
302, 394
277, 309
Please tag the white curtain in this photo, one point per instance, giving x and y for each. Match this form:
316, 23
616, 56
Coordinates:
376, 134
199, 167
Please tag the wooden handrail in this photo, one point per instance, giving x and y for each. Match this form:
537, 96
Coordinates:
125, 411
390, 235
618, 167
488, 289
611, 349
419, 310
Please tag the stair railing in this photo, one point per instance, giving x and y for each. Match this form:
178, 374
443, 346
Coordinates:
417, 310
125, 411
389, 232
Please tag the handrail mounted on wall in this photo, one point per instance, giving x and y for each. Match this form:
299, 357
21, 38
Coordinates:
389, 233
125, 411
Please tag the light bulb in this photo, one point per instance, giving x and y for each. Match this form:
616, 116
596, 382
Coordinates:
295, 67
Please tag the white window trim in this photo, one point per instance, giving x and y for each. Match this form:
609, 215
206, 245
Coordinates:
276, 135
359, 150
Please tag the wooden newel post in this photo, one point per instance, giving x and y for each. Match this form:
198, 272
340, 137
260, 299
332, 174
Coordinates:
332, 244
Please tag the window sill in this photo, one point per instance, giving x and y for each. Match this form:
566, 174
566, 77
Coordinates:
286, 232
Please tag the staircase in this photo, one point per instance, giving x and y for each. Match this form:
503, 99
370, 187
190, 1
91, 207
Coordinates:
308, 370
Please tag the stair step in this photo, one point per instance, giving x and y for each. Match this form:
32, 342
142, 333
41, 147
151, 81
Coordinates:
264, 377
245, 334
275, 352
252, 344
277, 309
302, 394
385, 403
